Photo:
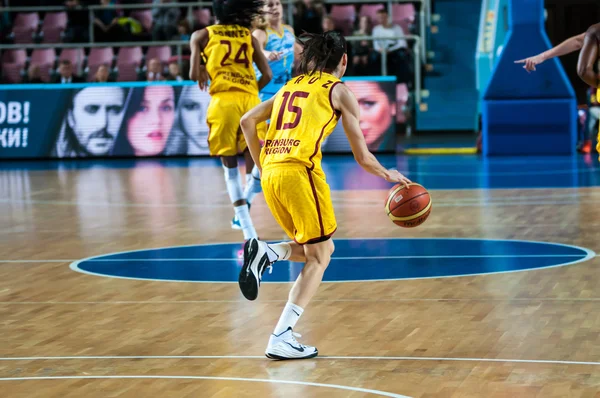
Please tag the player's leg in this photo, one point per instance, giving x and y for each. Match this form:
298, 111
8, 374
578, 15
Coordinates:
282, 343
233, 181
252, 185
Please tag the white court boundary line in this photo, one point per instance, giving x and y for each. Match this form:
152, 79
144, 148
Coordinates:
320, 357
273, 381
589, 255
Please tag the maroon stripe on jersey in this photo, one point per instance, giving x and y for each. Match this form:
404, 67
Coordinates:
317, 144
314, 191
316, 240
331, 95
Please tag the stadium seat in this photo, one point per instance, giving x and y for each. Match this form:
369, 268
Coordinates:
97, 57
25, 27
344, 17
403, 15
13, 62
128, 62
370, 10
53, 26
75, 55
45, 58
161, 52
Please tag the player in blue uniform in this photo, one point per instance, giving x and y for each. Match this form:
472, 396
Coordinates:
279, 46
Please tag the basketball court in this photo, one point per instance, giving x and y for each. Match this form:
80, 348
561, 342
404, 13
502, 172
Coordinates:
119, 278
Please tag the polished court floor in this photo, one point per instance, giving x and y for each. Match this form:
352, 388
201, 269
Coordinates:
117, 279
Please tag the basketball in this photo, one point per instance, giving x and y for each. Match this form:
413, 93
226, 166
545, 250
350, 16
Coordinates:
408, 205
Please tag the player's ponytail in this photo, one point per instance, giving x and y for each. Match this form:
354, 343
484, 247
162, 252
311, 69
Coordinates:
321, 52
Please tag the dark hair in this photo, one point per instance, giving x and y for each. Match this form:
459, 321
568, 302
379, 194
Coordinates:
321, 52
237, 12
383, 11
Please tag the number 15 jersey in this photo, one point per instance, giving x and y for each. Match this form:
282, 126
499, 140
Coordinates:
229, 53
302, 117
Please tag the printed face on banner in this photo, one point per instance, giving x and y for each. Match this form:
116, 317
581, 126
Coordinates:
192, 119
95, 118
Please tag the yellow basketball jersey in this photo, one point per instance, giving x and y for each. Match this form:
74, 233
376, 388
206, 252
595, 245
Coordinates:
229, 55
302, 117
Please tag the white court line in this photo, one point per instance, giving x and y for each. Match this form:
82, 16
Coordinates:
99, 260
320, 357
273, 381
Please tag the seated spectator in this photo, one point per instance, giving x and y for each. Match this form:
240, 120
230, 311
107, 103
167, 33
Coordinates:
185, 32
33, 75
78, 29
104, 23
153, 71
103, 75
397, 54
308, 16
174, 72
165, 21
363, 50
65, 73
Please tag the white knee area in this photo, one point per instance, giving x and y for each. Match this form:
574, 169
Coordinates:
233, 180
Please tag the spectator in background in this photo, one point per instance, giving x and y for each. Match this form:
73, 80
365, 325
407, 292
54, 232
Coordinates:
397, 53
363, 49
79, 20
65, 73
165, 21
153, 71
308, 16
103, 75
174, 72
33, 75
105, 23
593, 115
185, 33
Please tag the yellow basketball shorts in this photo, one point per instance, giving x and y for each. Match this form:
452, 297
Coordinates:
223, 117
300, 201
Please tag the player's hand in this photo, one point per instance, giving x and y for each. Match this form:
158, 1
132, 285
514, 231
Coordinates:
274, 55
530, 63
396, 176
203, 78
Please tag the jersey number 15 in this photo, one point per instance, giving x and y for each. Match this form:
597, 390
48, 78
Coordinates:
288, 102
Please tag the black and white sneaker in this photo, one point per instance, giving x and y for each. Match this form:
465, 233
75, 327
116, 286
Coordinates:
285, 346
256, 261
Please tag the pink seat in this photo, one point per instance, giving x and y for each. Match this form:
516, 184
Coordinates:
370, 10
145, 18
54, 24
401, 101
344, 17
13, 62
203, 16
45, 59
99, 56
403, 15
75, 55
25, 26
161, 52
128, 61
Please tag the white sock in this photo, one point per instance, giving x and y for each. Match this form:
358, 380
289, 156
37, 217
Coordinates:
252, 185
290, 315
283, 251
242, 214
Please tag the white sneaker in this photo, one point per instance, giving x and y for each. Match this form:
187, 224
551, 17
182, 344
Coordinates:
256, 261
285, 346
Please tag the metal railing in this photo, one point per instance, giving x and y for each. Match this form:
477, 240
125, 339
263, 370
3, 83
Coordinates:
424, 14
415, 40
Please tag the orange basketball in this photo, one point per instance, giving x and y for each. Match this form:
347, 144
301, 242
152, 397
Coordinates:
408, 205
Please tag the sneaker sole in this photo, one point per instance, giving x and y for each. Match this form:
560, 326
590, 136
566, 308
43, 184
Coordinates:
278, 358
247, 280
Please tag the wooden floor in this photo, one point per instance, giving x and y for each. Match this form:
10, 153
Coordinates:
68, 334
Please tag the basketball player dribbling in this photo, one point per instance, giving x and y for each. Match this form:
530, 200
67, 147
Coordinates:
224, 54
302, 114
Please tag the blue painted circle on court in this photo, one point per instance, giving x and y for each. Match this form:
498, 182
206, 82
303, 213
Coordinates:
353, 260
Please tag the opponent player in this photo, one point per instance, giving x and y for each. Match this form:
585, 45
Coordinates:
302, 114
224, 54
278, 44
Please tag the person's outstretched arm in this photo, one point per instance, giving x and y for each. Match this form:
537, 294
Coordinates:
566, 47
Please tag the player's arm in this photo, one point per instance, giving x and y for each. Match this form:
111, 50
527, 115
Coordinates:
589, 56
248, 123
345, 101
198, 71
262, 64
261, 36
566, 47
